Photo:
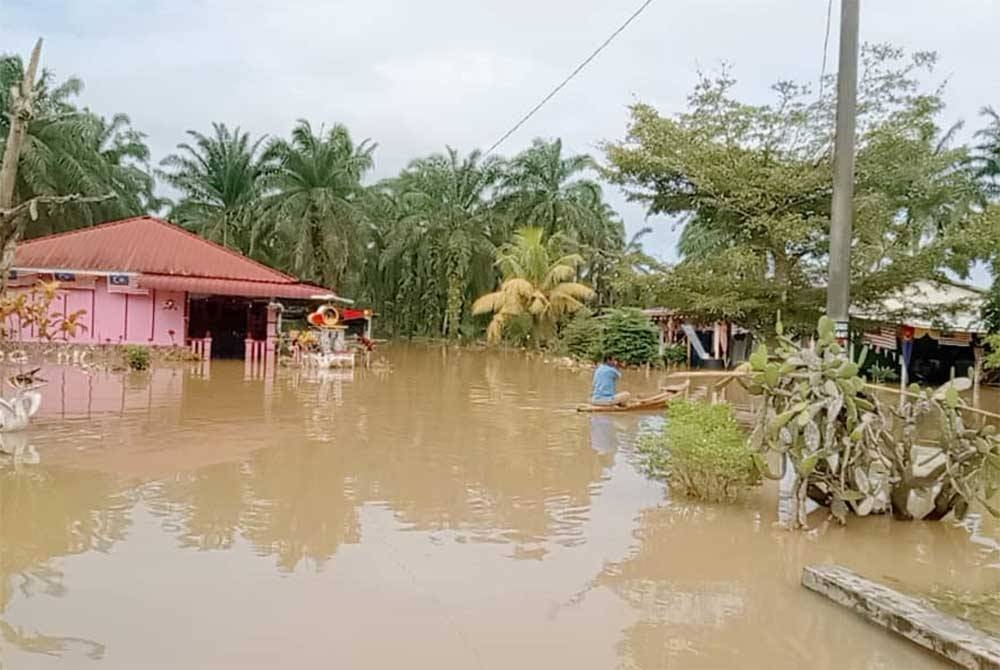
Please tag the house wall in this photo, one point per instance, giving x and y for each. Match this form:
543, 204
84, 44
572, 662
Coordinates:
116, 318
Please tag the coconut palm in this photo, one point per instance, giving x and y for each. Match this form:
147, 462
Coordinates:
545, 189
220, 179
538, 283
74, 151
315, 200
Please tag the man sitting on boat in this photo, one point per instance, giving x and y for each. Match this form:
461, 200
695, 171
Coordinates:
606, 378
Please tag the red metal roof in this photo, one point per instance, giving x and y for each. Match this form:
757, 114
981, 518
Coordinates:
169, 255
213, 286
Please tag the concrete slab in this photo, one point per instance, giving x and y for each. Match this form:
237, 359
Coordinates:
906, 615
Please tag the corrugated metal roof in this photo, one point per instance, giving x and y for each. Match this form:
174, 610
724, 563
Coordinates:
214, 286
930, 304
165, 256
143, 244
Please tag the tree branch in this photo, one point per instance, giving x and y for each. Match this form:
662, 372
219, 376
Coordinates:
31, 206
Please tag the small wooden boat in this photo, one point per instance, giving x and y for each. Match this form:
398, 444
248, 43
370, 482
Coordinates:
650, 403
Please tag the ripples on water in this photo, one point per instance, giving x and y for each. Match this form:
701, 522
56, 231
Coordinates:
453, 513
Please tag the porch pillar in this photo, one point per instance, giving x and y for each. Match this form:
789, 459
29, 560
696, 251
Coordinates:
271, 347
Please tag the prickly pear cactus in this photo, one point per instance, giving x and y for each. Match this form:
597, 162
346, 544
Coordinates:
945, 469
817, 414
852, 453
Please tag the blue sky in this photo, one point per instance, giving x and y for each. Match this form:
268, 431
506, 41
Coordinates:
417, 75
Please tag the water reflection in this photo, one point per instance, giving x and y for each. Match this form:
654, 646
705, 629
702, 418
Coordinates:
449, 508
603, 434
717, 588
46, 514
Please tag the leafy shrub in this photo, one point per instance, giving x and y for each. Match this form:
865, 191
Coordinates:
518, 331
881, 374
702, 452
630, 337
675, 354
136, 357
582, 337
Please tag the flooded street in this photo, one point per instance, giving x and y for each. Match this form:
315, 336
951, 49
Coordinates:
451, 512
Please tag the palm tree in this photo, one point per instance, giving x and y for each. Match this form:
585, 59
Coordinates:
545, 189
74, 151
538, 283
445, 208
316, 198
220, 178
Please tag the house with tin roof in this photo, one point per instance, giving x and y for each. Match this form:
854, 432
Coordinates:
146, 281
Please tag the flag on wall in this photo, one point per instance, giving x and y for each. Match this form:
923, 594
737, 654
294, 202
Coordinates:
880, 338
954, 339
125, 284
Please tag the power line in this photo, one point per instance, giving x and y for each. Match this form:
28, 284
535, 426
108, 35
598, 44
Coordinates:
571, 75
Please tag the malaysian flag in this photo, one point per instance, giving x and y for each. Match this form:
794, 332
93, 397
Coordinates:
880, 338
125, 284
71, 280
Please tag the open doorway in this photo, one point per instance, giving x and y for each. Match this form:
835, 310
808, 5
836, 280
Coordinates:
229, 320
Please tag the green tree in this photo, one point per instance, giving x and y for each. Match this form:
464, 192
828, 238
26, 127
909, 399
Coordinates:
629, 336
220, 179
71, 150
538, 281
315, 201
545, 189
752, 185
443, 226
631, 276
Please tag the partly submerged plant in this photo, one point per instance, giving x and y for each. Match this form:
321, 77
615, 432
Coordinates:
701, 451
537, 281
630, 337
582, 336
137, 357
853, 453
881, 374
675, 354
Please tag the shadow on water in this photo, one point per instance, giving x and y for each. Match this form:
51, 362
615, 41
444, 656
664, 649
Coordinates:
450, 506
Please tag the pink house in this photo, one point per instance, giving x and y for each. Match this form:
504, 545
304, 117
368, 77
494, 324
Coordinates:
146, 281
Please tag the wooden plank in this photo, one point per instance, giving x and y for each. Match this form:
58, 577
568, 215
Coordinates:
906, 615
684, 374
908, 394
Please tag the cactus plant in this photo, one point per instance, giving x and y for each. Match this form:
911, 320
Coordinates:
852, 452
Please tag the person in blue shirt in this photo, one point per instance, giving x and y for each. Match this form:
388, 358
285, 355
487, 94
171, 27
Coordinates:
606, 378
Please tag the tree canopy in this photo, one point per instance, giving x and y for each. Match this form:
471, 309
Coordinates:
70, 149
751, 185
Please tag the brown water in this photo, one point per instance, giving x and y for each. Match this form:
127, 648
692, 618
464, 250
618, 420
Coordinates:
453, 512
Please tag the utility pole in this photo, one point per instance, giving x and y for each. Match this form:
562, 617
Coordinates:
838, 292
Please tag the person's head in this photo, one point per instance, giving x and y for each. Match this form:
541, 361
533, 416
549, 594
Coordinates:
610, 360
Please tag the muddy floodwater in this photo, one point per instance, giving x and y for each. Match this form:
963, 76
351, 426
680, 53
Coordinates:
452, 512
